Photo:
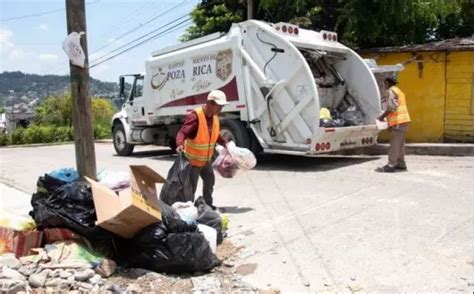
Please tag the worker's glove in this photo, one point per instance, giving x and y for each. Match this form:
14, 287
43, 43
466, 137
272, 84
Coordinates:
180, 149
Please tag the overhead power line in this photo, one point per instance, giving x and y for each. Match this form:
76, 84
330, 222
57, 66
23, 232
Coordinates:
145, 35
140, 26
178, 26
130, 16
157, 35
41, 13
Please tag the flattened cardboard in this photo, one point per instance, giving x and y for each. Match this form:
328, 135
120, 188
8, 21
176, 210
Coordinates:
134, 208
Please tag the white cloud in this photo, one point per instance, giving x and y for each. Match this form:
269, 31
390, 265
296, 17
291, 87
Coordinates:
9, 52
6, 42
14, 57
43, 27
48, 57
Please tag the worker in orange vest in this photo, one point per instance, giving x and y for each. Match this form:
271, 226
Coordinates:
197, 138
398, 120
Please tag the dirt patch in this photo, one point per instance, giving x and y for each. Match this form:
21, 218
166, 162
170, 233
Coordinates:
227, 250
246, 269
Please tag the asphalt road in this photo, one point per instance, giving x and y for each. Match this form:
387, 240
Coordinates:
320, 224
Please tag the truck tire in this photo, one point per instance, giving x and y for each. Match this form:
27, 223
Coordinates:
234, 130
255, 146
120, 143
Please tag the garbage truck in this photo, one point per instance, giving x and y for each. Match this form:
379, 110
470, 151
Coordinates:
278, 79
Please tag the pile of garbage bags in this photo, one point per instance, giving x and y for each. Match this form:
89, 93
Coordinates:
184, 241
175, 234
178, 244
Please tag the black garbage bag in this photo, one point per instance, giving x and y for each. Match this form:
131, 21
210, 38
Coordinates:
209, 217
178, 185
173, 222
47, 185
353, 116
157, 249
326, 123
339, 122
58, 204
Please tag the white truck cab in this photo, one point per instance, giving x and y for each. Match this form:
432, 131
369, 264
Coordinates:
277, 78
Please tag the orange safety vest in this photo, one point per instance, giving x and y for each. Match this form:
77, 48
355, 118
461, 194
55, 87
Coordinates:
400, 116
199, 150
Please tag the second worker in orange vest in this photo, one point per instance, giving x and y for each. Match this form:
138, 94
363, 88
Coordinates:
398, 120
197, 138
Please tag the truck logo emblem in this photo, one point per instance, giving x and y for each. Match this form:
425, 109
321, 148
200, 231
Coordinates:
159, 79
224, 64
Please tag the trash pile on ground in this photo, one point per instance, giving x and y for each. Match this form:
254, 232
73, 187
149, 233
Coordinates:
79, 232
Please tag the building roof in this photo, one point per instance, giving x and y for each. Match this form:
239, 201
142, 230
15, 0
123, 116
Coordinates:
456, 44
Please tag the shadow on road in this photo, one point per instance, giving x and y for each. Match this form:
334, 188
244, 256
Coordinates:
275, 162
234, 209
293, 163
159, 154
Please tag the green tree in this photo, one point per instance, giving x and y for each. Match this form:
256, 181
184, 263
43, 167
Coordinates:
210, 18
395, 22
359, 23
57, 110
102, 110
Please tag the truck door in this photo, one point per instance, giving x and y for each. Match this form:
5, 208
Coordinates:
282, 93
134, 106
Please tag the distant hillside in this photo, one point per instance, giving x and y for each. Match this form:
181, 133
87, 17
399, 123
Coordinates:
38, 86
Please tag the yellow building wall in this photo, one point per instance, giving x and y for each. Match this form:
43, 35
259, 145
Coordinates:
424, 86
459, 118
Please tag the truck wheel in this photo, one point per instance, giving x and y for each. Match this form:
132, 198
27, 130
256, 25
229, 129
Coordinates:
255, 146
234, 130
120, 143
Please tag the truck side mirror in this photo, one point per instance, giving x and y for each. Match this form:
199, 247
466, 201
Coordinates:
122, 87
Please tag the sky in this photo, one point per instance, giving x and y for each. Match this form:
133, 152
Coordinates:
32, 32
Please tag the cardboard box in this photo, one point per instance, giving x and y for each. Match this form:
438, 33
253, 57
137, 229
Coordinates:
134, 208
19, 242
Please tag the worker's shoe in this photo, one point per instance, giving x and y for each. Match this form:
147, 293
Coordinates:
385, 169
401, 168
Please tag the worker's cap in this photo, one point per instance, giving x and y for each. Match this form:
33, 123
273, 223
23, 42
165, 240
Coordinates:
217, 96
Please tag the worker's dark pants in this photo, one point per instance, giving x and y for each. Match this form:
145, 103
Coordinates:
208, 180
396, 152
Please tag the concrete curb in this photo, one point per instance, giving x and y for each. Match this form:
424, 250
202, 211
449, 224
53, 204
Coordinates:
435, 149
105, 141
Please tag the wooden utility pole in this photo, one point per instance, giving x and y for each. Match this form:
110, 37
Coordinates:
82, 105
249, 9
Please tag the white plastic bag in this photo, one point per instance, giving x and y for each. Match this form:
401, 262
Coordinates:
186, 211
381, 125
210, 234
73, 49
225, 164
244, 157
114, 180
